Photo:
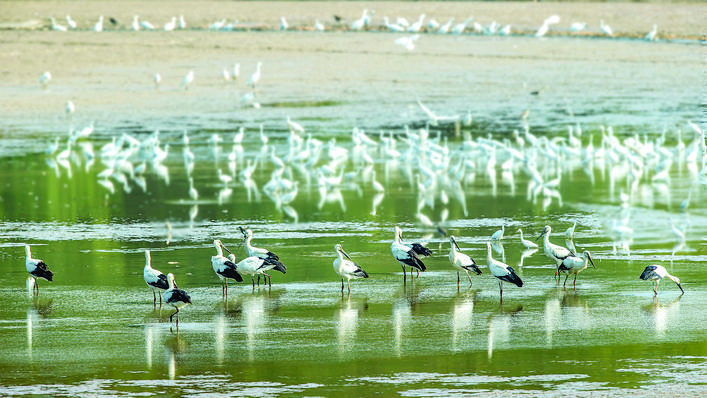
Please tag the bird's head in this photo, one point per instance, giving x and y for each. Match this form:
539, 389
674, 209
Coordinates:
545, 231
589, 257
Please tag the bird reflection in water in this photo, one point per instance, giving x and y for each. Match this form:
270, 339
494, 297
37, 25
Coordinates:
657, 314
462, 319
346, 321
175, 345
41, 308
499, 326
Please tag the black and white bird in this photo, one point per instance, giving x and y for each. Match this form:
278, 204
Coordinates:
407, 254
37, 269
574, 265
346, 268
255, 266
265, 254
155, 279
503, 272
657, 272
177, 298
555, 252
461, 261
223, 267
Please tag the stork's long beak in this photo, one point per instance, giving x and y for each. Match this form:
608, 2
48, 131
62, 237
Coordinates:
345, 254
683, 292
455, 244
541, 234
225, 248
591, 261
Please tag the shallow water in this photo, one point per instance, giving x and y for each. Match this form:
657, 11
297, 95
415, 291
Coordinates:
94, 331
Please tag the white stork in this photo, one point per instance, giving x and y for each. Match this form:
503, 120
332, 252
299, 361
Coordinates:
37, 269
224, 267
461, 261
407, 254
155, 279
574, 265
502, 271
657, 272
177, 298
346, 268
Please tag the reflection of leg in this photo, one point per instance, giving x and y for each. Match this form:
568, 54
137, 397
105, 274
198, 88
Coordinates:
154, 298
500, 287
457, 279
348, 282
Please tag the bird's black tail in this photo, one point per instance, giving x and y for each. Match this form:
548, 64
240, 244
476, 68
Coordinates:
473, 268
513, 278
360, 273
43, 272
421, 250
278, 265
230, 272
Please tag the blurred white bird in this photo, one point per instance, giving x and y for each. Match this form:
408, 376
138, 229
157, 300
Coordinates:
408, 42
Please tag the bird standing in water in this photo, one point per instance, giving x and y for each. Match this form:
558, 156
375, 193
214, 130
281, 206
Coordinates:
657, 272
37, 269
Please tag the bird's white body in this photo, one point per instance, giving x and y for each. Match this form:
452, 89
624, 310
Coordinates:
605, 28
498, 235
525, 242
155, 279
555, 252
188, 79
45, 78
255, 77
502, 271
404, 254
656, 273
574, 265
98, 27
223, 267
346, 268
271, 260
460, 261
569, 233
177, 298
37, 268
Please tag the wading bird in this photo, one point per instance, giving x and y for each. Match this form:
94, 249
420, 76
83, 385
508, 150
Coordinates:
502, 271
37, 269
574, 265
346, 268
265, 254
255, 77
407, 254
252, 266
44, 79
461, 261
525, 242
177, 298
655, 273
155, 279
555, 252
224, 267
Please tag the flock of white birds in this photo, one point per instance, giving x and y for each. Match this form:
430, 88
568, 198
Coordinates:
365, 22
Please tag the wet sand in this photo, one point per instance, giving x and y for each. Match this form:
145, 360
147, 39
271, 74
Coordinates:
360, 77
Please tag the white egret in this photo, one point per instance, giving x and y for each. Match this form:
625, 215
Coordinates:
255, 77
525, 242
187, 80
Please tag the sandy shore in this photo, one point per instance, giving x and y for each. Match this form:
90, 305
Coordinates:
358, 77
